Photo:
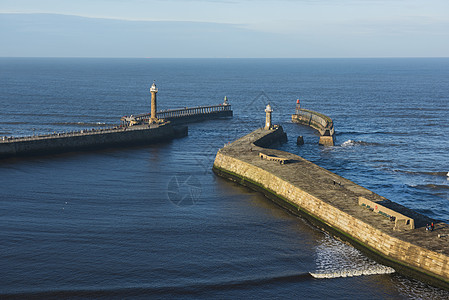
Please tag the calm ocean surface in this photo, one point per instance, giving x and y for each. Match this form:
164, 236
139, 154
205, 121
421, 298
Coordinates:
107, 224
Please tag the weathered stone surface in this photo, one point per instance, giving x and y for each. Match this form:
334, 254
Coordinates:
326, 140
313, 190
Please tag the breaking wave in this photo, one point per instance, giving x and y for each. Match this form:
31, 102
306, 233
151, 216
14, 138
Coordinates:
350, 143
336, 259
352, 273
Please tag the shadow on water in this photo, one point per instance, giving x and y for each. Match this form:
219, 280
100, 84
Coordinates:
190, 290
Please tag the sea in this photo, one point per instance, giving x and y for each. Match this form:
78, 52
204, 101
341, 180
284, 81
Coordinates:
156, 222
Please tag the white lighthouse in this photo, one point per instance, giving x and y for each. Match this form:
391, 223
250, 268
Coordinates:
153, 115
268, 112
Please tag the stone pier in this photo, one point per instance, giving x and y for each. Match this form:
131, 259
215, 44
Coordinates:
392, 234
89, 139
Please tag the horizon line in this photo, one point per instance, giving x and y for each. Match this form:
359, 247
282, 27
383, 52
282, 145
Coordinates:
134, 57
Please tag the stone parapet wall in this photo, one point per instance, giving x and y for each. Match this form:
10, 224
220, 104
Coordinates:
401, 221
320, 122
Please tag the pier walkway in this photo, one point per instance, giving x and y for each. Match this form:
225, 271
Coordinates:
334, 203
133, 130
89, 139
190, 114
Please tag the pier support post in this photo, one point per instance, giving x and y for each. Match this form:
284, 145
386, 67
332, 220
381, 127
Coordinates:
326, 140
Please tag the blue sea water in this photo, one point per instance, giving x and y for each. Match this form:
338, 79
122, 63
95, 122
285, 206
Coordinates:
108, 224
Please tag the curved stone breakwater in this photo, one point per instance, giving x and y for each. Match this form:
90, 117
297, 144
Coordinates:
320, 122
333, 203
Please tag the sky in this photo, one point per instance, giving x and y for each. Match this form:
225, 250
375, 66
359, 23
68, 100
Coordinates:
224, 28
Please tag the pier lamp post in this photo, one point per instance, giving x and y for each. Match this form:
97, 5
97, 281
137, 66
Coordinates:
268, 112
153, 116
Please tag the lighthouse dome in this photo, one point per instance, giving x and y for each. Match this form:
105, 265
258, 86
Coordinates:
268, 108
153, 87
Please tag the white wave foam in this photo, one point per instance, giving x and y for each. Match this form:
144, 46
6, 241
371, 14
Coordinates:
358, 143
336, 259
348, 143
380, 269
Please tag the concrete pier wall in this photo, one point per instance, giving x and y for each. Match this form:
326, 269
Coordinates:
84, 140
307, 189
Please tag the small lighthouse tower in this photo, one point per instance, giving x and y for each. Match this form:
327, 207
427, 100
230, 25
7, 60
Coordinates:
153, 116
268, 112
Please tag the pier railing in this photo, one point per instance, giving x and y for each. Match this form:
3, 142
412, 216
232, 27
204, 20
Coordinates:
184, 112
92, 131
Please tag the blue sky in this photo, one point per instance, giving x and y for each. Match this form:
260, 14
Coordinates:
225, 28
